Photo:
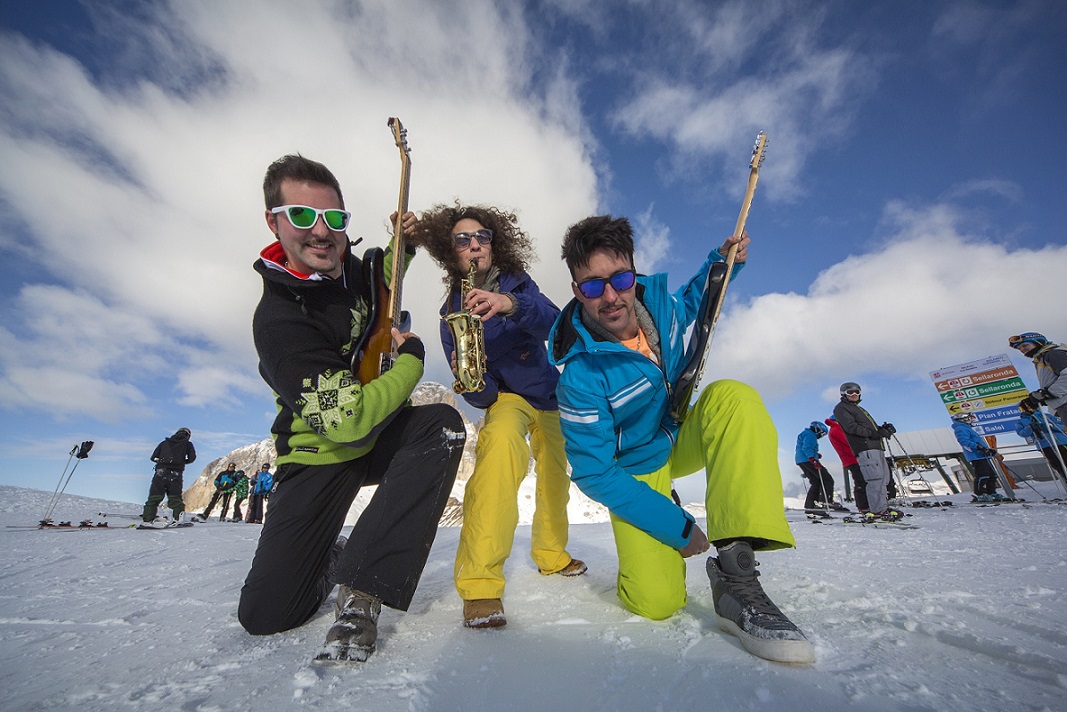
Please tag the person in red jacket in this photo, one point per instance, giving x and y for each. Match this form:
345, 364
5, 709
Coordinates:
848, 463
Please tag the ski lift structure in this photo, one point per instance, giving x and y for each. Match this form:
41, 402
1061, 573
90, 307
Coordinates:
918, 454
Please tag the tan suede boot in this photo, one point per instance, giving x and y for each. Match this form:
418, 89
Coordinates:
484, 613
576, 567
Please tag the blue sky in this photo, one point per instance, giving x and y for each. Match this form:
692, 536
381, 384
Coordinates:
909, 214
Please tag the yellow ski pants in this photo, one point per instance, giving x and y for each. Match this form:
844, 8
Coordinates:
490, 500
729, 434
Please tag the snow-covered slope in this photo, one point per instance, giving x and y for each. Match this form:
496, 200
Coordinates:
968, 612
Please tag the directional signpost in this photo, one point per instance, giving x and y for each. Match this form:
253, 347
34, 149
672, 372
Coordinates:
989, 388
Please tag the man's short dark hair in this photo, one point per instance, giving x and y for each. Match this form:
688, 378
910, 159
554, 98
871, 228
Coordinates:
600, 233
295, 167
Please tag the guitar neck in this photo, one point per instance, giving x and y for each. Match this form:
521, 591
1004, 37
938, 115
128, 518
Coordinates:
397, 274
742, 219
738, 230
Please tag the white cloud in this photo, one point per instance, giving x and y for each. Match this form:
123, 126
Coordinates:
652, 243
143, 195
931, 296
704, 108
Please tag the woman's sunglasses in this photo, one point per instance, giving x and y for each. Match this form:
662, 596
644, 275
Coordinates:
462, 240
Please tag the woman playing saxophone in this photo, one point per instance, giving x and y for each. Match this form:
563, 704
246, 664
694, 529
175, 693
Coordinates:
519, 399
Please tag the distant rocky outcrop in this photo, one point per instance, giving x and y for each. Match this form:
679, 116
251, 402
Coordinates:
250, 457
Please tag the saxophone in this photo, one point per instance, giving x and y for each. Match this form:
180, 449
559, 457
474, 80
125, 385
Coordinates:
468, 334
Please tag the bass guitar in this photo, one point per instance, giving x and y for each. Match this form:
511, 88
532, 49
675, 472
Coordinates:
376, 354
696, 353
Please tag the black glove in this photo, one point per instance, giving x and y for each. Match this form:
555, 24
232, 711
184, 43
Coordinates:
884, 433
1031, 403
888, 427
1040, 395
413, 345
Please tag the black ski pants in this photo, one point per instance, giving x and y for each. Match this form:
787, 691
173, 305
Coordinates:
414, 463
985, 478
255, 508
218, 494
165, 483
822, 485
859, 487
1053, 460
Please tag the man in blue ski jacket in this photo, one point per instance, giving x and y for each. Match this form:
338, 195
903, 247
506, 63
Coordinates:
621, 343
978, 454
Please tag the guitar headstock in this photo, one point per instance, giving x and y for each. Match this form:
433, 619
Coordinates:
400, 135
758, 151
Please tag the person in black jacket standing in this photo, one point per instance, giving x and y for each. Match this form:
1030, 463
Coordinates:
865, 437
171, 456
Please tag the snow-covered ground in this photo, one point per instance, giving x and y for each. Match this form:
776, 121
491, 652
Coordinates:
967, 612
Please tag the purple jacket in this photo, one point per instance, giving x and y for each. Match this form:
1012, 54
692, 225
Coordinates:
516, 358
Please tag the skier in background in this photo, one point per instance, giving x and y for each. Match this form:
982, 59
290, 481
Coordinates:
848, 463
240, 494
865, 438
224, 483
978, 455
1050, 362
261, 482
821, 492
171, 456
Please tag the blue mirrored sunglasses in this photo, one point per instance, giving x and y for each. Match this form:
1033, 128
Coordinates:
620, 282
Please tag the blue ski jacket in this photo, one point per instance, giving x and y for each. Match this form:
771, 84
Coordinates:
1033, 427
262, 482
969, 440
807, 446
614, 402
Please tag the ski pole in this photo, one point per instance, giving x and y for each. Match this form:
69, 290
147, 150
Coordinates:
55, 503
894, 470
82, 453
52, 501
1053, 443
1026, 480
822, 483
1039, 437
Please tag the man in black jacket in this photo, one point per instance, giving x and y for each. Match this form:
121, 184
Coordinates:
334, 434
171, 456
865, 438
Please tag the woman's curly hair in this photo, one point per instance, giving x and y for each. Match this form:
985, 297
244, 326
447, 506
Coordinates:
512, 248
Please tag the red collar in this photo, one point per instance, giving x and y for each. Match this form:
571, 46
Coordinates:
274, 255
